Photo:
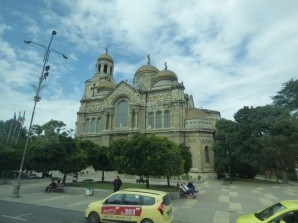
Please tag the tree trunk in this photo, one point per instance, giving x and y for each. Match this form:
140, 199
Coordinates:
102, 176
147, 183
168, 181
284, 177
64, 178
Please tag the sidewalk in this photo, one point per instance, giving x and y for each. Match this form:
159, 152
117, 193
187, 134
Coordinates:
273, 179
33, 193
73, 198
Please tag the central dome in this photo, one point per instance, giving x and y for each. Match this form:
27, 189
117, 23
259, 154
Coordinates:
148, 68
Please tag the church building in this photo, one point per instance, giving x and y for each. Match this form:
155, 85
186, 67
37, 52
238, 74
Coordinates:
155, 103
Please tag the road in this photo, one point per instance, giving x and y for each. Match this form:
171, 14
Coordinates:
215, 203
13, 212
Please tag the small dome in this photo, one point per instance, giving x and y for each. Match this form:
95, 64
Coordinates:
148, 68
166, 75
106, 57
105, 85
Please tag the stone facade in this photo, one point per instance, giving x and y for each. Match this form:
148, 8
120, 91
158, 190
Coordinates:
155, 103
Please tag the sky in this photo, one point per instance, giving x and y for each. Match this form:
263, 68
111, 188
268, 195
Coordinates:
228, 54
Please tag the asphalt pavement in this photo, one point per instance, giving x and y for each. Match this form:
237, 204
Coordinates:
216, 202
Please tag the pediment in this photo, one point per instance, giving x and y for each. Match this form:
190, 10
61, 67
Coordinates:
123, 89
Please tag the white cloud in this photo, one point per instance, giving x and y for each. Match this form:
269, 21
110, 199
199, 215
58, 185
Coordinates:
229, 54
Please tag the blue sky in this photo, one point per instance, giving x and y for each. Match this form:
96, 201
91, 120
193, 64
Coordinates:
228, 53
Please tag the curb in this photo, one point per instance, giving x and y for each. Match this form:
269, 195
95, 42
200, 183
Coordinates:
102, 193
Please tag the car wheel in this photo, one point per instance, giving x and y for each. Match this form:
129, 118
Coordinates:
93, 218
147, 221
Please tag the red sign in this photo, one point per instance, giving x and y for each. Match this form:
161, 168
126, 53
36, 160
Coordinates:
119, 210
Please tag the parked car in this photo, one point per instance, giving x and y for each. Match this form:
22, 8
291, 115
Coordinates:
132, 205
282, 212
32, 175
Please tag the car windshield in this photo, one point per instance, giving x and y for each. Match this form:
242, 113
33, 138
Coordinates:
268, 212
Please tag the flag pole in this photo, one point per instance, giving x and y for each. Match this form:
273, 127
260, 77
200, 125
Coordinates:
15, 128
21, 120
12, 122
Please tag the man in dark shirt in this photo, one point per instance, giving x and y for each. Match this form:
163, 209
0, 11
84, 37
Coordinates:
117, 184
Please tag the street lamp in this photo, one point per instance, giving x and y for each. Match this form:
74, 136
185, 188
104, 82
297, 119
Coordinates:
43, 76
230, 177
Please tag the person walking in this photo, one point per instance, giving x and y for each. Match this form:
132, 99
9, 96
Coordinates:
117, 184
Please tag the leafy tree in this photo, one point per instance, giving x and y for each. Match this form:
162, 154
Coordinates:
44, 157
10, 151
53, 148
62, 155
75, 159
261, 138
97, 156
225, 147
146, 155
287, 97
185, 153
280, 145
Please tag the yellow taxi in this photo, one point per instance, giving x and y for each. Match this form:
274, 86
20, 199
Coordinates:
282, 212
132, 205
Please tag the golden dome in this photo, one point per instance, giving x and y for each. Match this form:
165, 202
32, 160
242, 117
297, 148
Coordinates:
106, 57
148, 68
105, 85
165, 75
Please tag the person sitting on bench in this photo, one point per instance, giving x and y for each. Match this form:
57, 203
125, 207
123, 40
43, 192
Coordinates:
51, 186
192, 187
186, 190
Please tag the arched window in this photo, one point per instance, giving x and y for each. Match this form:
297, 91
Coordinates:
206, 154
105, 68
150, 120
87, 125
99, 125
99, 66
158, 120
167, 119
122, 114
111, 70
93, 125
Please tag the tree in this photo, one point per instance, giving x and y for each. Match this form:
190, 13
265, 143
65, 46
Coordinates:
75, 159
52, 148
97, 156
186, 156
10, 151
146, 155
280, 146
287, 97
225, 148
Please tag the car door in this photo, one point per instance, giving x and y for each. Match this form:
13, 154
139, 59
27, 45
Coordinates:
111, 208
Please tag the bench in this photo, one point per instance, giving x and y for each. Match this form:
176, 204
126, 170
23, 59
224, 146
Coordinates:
184, 195
141, 180
59, 188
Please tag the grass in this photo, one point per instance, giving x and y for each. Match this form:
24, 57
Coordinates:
109, 186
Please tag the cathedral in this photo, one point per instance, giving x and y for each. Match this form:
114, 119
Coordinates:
155, 103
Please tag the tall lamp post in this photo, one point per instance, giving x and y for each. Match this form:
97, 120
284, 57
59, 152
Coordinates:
43, 76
